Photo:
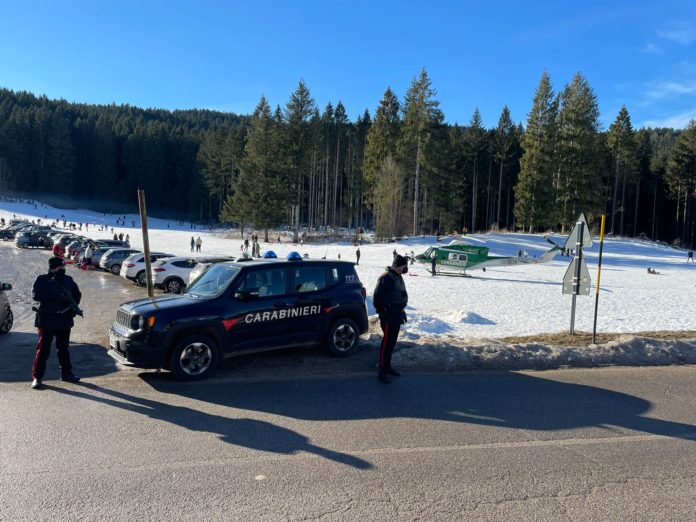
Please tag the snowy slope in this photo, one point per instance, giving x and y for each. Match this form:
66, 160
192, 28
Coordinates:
518, 300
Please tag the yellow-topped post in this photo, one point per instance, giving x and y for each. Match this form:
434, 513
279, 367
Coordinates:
599, 274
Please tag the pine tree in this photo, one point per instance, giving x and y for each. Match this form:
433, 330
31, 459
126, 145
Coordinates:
623, 148
381, 143
298, 113
579, 156
382, 137
505, 135
681, 176
475, 143
533, 192
421, 116
389, 200
262, 193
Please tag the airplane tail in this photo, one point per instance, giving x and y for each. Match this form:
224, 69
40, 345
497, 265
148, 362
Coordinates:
550, 254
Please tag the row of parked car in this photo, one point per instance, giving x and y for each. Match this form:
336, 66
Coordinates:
169, 273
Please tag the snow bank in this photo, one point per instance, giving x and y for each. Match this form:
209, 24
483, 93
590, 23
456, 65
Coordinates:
437, 354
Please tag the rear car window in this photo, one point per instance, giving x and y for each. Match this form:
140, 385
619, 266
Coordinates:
309, 278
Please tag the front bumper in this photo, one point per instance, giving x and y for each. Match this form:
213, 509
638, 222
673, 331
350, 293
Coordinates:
131, 349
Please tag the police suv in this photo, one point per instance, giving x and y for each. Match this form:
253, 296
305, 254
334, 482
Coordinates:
239, 308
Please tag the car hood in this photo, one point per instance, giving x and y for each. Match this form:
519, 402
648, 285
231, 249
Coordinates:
150, 305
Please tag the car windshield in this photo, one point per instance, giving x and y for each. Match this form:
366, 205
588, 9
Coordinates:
214, 281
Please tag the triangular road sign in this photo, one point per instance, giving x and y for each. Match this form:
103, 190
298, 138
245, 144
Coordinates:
569, 278
572, 240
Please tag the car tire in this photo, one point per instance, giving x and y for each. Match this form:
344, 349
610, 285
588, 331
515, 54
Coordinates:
194, 358
141, 278
174, 285
6, 325
343, 336
115, 269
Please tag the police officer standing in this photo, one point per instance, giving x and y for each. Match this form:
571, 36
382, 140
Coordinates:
390, 300
54, 318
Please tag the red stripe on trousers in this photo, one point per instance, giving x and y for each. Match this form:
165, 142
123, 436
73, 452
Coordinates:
38, 352
384, 346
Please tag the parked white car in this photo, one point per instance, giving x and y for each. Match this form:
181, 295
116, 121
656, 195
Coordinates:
172, 274
204, 264
133, 267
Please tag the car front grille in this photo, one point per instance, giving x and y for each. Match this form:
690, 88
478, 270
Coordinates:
123, 318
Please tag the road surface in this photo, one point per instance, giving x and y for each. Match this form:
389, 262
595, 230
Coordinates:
601, 444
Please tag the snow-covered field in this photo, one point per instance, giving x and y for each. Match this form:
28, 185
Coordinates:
518, 300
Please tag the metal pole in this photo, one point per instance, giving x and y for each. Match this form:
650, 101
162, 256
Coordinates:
576, 278
146, 241
599, 273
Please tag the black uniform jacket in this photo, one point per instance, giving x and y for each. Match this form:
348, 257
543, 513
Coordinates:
55, 311
390, 295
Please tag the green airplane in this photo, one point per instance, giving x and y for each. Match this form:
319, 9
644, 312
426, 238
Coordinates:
457, 257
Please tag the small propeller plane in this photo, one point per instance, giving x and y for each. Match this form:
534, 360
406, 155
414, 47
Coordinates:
458, 256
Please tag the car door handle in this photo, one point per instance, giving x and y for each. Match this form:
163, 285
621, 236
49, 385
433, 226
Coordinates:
281, 304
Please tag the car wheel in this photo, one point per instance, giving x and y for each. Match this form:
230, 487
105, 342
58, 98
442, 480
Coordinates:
115, 269
194, 358
6, 325
141, 278
343, 337
174, 285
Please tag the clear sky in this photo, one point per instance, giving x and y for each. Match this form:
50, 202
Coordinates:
223, 55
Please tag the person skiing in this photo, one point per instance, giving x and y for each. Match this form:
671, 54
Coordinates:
690, 256
390, 299
357, 256
193, 243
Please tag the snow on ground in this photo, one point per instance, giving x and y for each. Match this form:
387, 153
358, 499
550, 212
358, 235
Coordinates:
519, 300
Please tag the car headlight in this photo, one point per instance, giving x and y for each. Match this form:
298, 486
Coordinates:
137, 322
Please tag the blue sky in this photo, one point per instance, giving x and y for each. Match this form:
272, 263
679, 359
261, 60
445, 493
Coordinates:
224, 55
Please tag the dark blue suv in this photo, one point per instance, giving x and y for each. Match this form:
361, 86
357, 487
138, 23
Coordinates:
240, 308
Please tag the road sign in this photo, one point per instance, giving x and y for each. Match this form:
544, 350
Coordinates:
572, 241
569, 278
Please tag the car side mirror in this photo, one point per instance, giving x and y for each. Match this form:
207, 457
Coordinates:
246, 295
5, 286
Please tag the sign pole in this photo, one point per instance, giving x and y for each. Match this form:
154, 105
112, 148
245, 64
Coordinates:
146, 241
576, 278
599, 273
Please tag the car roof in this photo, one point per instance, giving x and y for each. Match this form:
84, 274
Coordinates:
285, 262
119, 249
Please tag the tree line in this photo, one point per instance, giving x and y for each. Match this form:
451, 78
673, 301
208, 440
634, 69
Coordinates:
402, 170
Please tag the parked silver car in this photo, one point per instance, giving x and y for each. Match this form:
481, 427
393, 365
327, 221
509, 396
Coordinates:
6, 317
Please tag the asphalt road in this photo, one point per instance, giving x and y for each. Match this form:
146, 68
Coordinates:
602, 444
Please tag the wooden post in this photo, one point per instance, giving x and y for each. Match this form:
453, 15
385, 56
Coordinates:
146, 241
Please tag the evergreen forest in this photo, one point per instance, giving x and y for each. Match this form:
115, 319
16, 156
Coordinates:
400, 168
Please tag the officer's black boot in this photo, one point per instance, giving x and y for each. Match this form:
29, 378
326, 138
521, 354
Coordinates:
382, 377
69, 377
